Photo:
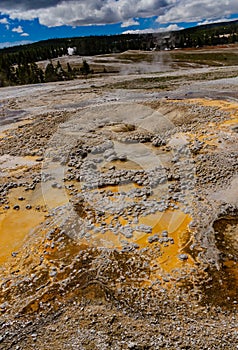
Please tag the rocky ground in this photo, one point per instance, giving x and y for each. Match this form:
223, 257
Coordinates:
118, 215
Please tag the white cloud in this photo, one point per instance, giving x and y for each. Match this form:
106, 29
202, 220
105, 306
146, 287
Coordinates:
196, 11
130, 22
15, 43
84, 12
54, 13
4, 21
170, 28
18, 30
216, 21
25, 34
141, 31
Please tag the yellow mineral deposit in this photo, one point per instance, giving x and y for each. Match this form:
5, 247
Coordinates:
174, 222
213, 128
230, 107
16, 224
232, 122
14, 228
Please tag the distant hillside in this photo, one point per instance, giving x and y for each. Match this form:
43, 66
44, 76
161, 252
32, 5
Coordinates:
18, 62
210, 34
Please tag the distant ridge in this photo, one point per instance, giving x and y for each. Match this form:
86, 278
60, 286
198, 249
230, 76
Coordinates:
206, 34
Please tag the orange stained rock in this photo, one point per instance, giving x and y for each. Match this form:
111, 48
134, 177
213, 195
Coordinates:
175, 222
231, 107
231, 122
222, 104
14, 228
15, 225
210, 139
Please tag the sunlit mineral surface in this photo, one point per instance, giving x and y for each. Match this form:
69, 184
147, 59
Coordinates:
118, 216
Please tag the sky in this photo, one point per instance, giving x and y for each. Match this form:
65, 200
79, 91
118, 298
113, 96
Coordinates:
26, 21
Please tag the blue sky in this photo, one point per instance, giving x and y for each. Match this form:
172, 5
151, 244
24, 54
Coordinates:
23, 21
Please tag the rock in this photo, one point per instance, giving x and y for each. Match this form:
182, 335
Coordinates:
53, 273
122, 157
183, 257
112, 158
234, 128
143, 228
164, 233
157, 142
56, 185
127, 231
3, 306
16, 207
154, 238
109, 153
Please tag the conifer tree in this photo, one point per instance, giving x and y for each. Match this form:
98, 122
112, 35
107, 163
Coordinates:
85, 69
50, 74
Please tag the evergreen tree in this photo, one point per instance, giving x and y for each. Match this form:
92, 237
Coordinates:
23, 74
85, 69
37, 75
70, 72
50, 74
59, 71
69, 69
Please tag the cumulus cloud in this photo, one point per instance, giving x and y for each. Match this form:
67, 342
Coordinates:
140, 31
4, 21
28, 4
170, 28
130, 22
14, 43
195, 11
85, 12
88, 12
18, 30
216, 21
25, 34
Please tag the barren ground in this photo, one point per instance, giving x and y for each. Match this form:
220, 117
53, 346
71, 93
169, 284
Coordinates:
119, 202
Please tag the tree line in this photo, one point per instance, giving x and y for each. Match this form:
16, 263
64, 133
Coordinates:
31, 73
208, 35
18, 64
